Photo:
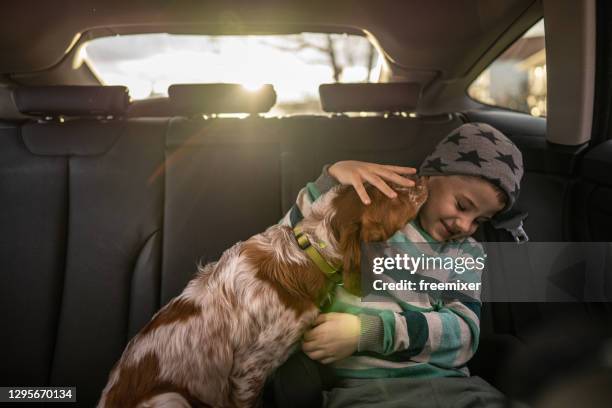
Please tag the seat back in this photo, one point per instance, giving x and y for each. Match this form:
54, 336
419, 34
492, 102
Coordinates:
81, 241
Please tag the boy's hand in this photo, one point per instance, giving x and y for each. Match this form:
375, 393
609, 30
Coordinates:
334, 337
356, 173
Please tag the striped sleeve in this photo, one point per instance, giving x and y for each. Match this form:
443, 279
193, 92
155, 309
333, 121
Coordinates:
308, 195
446, 335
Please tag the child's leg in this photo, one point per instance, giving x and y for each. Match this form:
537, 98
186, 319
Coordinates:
458, 392
299, 382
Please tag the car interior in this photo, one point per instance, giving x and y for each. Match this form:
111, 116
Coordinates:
110, 201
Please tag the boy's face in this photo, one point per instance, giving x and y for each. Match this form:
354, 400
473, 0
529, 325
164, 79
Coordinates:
457, 205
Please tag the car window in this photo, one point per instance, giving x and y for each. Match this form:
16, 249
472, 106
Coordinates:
295, 64
517, 78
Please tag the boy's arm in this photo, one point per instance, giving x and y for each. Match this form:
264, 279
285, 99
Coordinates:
351, 172
447, 337
307, 196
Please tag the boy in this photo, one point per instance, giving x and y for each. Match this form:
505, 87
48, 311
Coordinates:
389, 352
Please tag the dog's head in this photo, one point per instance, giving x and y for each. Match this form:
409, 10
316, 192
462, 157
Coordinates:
348, 222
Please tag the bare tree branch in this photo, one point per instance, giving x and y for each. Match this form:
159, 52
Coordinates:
328, 50
332, 58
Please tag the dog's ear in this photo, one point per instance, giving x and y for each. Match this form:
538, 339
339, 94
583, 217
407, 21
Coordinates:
347, 213
351, 265
354, 222
346, 226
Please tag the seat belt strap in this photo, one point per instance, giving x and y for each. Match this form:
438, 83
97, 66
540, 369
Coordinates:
513, 223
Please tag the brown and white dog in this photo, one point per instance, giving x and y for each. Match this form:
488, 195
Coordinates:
215, 344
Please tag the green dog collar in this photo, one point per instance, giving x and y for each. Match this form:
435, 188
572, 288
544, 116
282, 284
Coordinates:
330, 270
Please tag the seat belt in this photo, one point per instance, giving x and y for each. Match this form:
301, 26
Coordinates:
512, 221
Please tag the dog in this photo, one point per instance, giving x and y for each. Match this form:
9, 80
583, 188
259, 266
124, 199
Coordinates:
215, 344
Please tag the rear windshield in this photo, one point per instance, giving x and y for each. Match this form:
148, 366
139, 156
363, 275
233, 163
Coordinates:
295, 64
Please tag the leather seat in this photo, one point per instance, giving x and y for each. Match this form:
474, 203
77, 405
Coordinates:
81, 235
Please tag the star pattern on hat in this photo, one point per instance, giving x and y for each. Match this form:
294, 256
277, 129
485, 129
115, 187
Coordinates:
436, 164
472, 157
489, 136
507, 158
454, 139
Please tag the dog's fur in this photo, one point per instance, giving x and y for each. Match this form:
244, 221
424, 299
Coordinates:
236, 321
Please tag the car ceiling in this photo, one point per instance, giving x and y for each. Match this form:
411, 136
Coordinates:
443, 37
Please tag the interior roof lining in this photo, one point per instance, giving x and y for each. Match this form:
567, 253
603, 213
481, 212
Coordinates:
443, 35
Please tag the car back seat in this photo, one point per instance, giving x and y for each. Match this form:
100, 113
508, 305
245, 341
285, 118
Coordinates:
32, 249
119, 211
81, 235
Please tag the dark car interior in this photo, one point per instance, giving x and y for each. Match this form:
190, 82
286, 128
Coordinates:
109, 203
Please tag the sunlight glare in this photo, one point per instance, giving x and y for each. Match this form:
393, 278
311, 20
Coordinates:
252, 86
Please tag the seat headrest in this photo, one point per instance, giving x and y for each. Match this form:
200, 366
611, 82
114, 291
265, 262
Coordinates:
370, 97
72, 100
193, 99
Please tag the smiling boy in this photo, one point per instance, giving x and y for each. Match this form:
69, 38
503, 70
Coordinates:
379, 349
457, 205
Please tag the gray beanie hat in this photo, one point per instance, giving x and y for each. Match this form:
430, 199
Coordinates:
478, 149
